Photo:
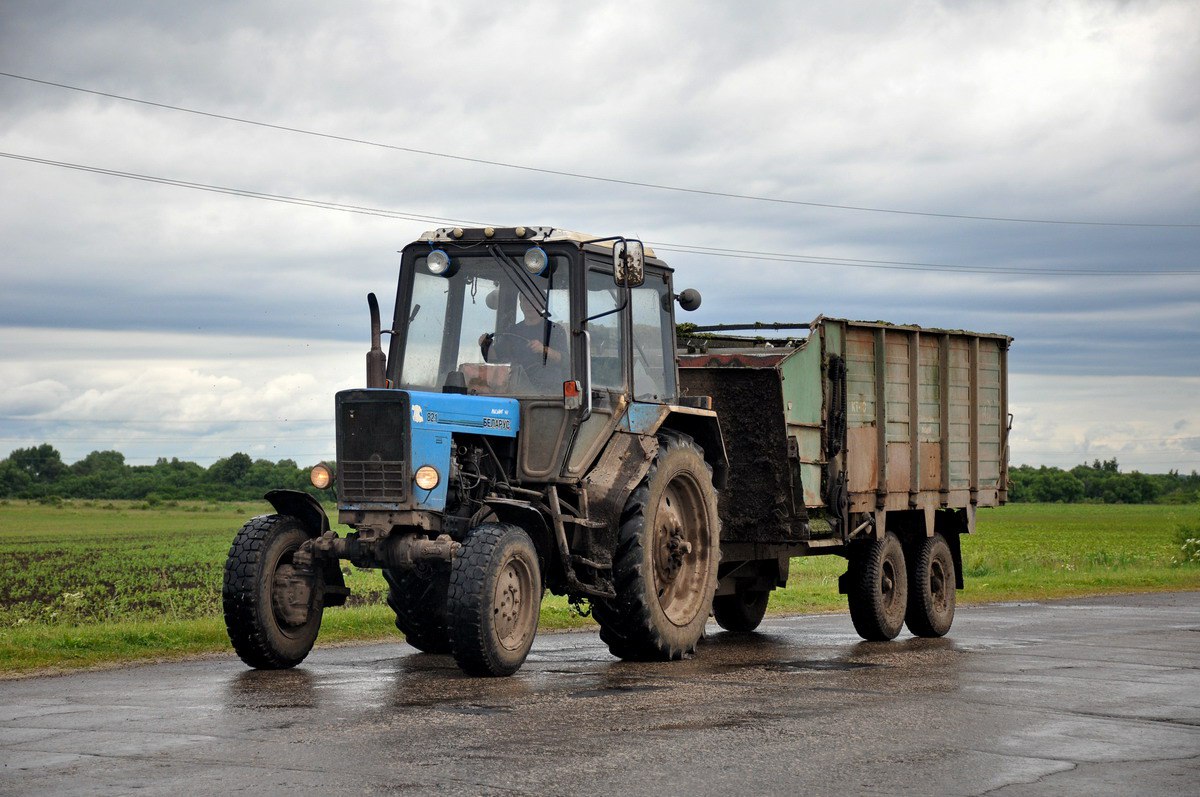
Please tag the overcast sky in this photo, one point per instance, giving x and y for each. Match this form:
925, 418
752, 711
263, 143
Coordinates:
164, 321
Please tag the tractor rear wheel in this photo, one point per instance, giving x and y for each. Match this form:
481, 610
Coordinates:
418, 597
665, 566
742, 611
272, 607
931, 590
494, 600
878, 594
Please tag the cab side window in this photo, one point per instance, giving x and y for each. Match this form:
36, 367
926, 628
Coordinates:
607, 337
653, 352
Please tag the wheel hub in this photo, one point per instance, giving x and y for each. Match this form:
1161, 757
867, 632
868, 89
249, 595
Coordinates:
514, 604
291, 593
678, 540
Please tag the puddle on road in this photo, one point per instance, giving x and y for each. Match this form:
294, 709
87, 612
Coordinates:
821, 665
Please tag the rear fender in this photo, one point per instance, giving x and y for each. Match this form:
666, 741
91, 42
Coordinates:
699, 424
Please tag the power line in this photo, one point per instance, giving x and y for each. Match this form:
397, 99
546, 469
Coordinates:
682, 248
895, 265
217, 189
583, 176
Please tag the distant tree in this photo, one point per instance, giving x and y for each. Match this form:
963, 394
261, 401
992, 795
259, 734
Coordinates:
42, 463
100, 462
231, 470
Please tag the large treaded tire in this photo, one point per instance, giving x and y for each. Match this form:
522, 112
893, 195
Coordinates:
878, 594
262, 638
931, 589
418, 597
742, 611
494, 600
661, 603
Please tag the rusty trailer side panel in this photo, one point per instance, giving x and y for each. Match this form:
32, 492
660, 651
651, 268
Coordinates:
858, 419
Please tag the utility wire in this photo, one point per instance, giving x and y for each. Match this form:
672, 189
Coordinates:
682, 248
905, 266
217, 189
582, 176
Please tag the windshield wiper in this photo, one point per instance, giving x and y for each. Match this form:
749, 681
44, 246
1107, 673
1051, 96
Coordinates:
524, 282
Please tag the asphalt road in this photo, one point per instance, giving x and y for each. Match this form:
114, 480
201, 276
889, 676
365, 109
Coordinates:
1098, 696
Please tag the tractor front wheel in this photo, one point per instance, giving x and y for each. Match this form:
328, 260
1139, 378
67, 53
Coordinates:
418, 597
494, 600
272, 606
742, 611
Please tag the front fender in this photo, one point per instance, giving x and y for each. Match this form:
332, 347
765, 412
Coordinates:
303, 507
312, 517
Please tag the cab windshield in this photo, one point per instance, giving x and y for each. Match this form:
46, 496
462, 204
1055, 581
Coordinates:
505, 329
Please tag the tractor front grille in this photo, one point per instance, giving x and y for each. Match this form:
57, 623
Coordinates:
372, 443
374, 482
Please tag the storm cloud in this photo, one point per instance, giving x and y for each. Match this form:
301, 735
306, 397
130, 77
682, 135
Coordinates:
164, 321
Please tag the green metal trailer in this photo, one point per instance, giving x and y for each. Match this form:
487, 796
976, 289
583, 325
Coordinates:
850, 438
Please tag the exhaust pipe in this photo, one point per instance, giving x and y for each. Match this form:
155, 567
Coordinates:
376, 360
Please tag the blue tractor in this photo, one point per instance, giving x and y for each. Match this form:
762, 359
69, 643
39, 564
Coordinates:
524, 432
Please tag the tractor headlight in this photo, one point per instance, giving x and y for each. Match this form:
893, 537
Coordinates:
321, 476
536, 260
438, 262
426, 477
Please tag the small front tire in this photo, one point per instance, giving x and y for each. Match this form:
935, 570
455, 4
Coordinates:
742, 611
272, 608
494, 600
418, 597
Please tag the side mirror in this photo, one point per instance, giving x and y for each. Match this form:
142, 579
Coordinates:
689, 299
629, 263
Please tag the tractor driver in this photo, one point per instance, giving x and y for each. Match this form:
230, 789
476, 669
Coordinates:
524, 343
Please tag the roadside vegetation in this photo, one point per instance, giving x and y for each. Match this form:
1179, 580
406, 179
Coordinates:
39, 473
84, 583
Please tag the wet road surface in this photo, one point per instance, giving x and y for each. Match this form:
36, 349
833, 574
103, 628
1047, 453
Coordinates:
1095, 696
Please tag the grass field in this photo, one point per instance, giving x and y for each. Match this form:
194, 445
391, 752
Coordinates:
87, 583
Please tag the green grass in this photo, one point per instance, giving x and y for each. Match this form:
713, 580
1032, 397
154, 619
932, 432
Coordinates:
90, 583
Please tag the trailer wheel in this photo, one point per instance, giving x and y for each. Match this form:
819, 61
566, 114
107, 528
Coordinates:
272, 609
931, 592
418, 597
742, 611
494, 600
878, 594
665, 566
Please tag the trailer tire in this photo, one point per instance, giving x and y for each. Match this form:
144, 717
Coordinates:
267, 633
665, 566
418, 597
742, 611
494, 600
931, 591
878, 594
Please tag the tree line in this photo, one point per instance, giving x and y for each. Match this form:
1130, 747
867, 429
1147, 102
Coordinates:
1101, 483
39, 472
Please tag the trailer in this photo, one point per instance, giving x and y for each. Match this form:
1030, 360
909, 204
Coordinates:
846, 438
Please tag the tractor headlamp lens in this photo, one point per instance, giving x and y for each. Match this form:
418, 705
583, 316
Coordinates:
321, 476
438, 262
536, 260
426, 477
